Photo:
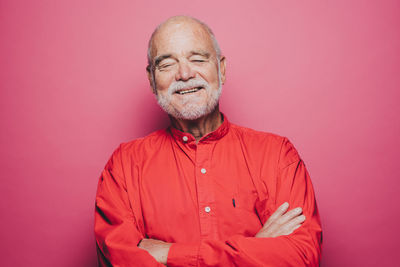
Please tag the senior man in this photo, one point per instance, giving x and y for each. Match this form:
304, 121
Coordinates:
203, 192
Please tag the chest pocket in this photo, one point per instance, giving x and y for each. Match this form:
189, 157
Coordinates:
245, 213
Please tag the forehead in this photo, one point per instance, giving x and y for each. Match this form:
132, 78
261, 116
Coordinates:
180, 38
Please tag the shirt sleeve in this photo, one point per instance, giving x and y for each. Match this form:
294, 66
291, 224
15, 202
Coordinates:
117, 233
301, 248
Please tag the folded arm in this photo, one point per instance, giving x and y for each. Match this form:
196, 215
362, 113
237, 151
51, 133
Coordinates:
117, 230
290, 238
282, 222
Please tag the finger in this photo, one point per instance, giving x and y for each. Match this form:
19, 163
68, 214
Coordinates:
296, 227
277, 225
277, 230
290, 229
289, 215
293, 224
277, 214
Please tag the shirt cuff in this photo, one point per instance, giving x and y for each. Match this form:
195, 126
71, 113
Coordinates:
183, 255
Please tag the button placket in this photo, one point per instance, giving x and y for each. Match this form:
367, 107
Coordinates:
204, 191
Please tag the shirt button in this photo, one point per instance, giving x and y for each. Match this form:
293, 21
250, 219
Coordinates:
207, 209
185, 138
203, 171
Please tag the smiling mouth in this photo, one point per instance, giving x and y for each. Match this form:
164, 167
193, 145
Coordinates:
191, 90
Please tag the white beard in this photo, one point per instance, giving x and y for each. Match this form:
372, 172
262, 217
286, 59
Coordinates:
191, 108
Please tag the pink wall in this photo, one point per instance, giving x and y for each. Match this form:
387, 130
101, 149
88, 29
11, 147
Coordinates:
73, 86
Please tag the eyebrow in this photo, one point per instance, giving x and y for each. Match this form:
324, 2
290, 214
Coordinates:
160, 58
200, 53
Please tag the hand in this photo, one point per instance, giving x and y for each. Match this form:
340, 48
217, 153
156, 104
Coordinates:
282, 222
157, 248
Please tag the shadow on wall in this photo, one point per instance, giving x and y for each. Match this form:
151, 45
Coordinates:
146, 113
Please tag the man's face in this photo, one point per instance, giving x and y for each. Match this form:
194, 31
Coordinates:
187, 73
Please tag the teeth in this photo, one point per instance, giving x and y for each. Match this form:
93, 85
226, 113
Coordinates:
189, 91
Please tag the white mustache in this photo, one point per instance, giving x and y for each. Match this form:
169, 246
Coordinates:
180, 85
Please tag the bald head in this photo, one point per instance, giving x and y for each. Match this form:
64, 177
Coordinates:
179, 23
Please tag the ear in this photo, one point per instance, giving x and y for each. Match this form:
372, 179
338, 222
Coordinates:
222, 68
150, 78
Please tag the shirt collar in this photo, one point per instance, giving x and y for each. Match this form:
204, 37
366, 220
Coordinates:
185, 138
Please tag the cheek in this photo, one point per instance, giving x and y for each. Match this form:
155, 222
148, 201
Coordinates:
209, 74
213, 74
162, 82
213, 78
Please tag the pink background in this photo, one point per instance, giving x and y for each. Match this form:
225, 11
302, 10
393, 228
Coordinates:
73, 86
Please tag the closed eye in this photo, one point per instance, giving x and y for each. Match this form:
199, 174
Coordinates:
165, 66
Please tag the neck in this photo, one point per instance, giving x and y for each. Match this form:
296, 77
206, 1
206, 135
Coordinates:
201, 126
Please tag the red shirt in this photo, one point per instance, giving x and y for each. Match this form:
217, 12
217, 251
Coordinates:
209, 199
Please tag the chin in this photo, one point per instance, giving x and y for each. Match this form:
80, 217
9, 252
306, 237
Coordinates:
190, 112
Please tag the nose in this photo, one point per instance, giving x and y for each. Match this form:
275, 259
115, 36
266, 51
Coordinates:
185, 72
